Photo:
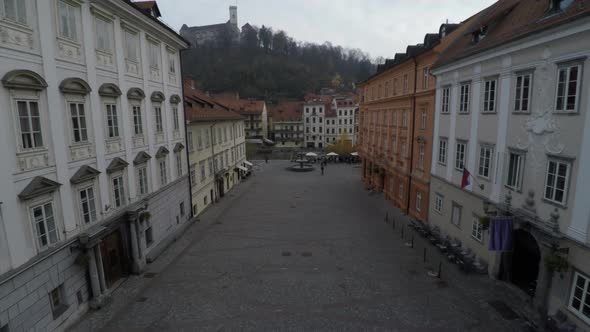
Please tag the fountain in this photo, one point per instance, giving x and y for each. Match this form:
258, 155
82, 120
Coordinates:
301, 164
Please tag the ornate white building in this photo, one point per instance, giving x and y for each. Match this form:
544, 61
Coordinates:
93, 170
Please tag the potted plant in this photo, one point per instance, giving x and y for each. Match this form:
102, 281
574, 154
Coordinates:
556, 263
145, 216
485, 222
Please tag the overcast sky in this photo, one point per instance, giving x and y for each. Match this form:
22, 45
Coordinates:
378, 27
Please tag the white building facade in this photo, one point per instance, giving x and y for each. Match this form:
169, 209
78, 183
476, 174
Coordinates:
346, 108
517, 117
314, 113
94, 173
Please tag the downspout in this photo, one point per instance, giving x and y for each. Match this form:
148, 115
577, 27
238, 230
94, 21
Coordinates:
188, 162
412, 135
213, 161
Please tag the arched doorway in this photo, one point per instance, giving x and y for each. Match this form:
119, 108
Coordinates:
525, 261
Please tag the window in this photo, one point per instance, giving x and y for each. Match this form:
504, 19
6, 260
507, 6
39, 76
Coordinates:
438, 202
442, 151
515, 166
568, 86
456, 215
418, 201
421, 153
179, 164
79, 130
88, 205
404, 150
425, 76
489, 96
476, 229
175, 118
464, 98
522, 94
149, 236
556, 182
30, 124
137, 124
171, 63
181, 208
112, 121
15, 10
44, 225
118, 192
404, 119
154, 55
131, 46
207, 137
446, 93
485, 161
103, 35
67, 20
159, 123
580, 297
395, 86
460, 156
58, 304
405, 83
163, 172
142, 180
401, 191
424, 119
193, 175
202, 166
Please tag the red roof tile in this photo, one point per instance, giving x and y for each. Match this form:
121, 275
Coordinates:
286, 111
198, 107
242, 106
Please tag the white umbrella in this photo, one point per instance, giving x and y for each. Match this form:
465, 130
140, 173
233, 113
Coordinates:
354, 154
332, 154
311, 154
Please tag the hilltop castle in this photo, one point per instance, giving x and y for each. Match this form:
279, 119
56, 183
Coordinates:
215, 33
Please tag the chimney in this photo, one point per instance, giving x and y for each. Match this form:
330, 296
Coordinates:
233, 15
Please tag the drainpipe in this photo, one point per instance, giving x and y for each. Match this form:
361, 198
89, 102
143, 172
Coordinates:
411, 147
212, 140
188, 162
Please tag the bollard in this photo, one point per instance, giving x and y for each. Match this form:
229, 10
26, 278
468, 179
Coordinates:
424, 254
402, 231
386, 217
439, 269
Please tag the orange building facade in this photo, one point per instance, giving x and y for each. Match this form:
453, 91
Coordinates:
396, 124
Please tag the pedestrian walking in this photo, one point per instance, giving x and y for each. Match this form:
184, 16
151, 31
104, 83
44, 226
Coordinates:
322, 168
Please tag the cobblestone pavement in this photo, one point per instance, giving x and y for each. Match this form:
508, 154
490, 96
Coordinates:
303, 252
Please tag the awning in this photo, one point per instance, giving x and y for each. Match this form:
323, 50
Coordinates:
242, 168
248, 163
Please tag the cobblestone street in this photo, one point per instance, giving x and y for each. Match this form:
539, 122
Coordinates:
302, 252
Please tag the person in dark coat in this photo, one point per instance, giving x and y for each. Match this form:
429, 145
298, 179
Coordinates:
322, 168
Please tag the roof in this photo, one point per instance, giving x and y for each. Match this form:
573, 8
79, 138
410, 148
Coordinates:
218, 26
242, 106
508, 21
286, 111
318, 99
330, 112
138, 5
148, 7
198, 107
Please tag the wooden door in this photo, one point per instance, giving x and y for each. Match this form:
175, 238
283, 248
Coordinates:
112, 257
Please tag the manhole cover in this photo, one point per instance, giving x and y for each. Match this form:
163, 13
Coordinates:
149, 275
142, 299
286, 253
503, 309
306, 254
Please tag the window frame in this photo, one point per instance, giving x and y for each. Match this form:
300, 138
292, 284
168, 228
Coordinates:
519, 92
463, 157
585, 293
445, 102
566, 181
93, 217
141, 172
80, 120
132, 37
490, 95
490, 148
162, 171
20, 134
418, 201
464, 97
568, 66
72, 8
42, 204
477, 229
108, 25
158, 119
438, 202
18, 16
119, 188
136, 114
455, 205
113, 130
519, 176
443, 155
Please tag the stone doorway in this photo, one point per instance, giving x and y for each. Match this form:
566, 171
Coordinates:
113, 258
521, 266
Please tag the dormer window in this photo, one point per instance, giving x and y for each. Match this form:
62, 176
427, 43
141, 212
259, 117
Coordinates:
480, 34
558, 5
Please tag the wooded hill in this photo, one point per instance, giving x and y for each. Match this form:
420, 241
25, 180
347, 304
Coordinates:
273, 66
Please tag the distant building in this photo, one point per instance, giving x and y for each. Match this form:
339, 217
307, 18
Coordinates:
347, 115
314, 114
287, 124
216, 148
254, 112
93, 181
215, 33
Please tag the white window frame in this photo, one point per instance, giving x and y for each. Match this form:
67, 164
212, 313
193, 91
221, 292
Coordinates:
424, 119
35, 136
585, 289
438, 202
566, 93
175, 118
490, 93
418, 201
137, 120
112, 120
49, 242
551, 185
172, 63
404, 119
456, 212
425, 77
78, 116
443, 144
154, 55
517, 183
118, 189
522, 93
189, 140
142, 180
158, 119
132, 52
20, 11
476, 229
193, 175
486, 157
460, 155
446, 96
178, 163
91, 202
68, 29
421, 155
163, 171
103, 34
464, 97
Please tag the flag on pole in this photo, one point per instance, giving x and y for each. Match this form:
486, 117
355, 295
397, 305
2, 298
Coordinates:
465, 181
